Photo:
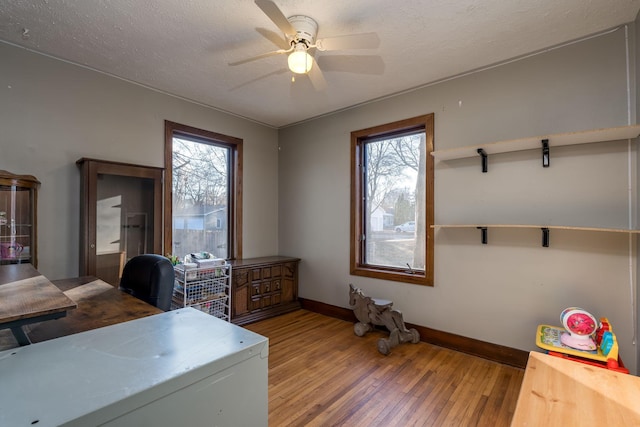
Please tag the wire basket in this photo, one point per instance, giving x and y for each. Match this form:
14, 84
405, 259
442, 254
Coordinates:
197, 274
201, 290
218, 308
206, 289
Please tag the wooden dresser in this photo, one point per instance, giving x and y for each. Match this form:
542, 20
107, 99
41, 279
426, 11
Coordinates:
263, 287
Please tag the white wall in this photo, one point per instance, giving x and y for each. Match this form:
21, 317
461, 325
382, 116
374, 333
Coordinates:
52, 113
498, 292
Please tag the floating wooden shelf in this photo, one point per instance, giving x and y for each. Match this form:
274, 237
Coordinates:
544, 228
557, 140
550, 227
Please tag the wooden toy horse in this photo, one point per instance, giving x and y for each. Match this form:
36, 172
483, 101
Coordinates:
372, 312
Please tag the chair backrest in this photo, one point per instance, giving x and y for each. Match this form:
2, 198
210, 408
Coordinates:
150, 278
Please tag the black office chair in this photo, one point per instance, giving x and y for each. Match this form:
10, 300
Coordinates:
149, 277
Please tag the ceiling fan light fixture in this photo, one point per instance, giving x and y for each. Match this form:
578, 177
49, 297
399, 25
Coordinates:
300, 62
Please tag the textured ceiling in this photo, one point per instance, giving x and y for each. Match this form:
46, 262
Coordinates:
184, 47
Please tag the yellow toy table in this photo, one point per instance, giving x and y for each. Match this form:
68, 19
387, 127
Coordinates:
605, 355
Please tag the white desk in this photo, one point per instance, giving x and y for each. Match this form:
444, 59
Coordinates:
182, 367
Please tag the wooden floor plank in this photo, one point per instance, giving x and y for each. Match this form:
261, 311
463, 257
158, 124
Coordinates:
322, 374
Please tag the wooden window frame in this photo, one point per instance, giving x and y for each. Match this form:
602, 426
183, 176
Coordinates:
357, 266
235, 192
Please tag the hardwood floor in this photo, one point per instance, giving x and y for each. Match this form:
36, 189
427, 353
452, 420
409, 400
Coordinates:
322, 374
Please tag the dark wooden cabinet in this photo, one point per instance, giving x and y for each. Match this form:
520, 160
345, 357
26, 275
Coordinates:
263, 287
18, 213
120, 216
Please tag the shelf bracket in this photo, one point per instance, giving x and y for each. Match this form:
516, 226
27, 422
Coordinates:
545, 153
545, 237
483, 234
483, 154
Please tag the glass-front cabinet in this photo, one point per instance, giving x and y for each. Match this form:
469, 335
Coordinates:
18, 208
121, 216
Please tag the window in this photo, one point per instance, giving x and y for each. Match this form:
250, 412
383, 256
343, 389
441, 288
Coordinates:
203, 194
392, 201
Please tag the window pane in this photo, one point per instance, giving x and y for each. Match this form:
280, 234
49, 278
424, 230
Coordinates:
390, 216
200, 198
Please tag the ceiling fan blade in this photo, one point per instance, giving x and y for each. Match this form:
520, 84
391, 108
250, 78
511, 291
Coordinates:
264, 55
275, 14
317, 79
360, 64
273, 37
352, 41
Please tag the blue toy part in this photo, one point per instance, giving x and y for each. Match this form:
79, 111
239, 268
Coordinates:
607, 342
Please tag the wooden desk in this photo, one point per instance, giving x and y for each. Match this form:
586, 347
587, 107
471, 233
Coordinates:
28, 297
99, 304
559, 392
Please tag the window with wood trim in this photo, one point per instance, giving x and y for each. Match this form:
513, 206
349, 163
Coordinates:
203, 192
392, 201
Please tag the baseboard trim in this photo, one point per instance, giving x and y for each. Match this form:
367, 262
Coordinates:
494, 352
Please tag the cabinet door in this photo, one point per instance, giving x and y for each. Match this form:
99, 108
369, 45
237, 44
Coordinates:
276, 288
290, 282
256, 303
266, 294
241, 294
121, 216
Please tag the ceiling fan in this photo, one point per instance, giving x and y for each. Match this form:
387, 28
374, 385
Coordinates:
300, 44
